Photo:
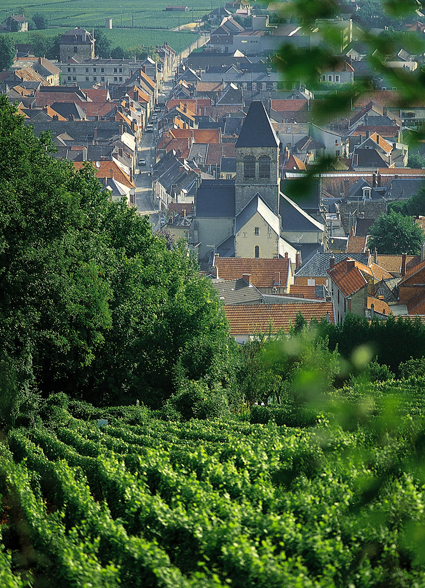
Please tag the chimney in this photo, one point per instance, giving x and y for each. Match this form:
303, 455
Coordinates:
403, 264
84, 153
286, 255
351, 264
120, 151
379, 180
95, 133
372, 311
332, 262
384, 111
367, 134
184, 213
375, 256
374, 179
297, 259
247, 278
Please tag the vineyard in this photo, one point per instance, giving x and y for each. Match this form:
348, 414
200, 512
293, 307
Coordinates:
145, 502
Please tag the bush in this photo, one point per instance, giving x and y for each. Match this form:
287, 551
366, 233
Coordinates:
412, 367
195, 400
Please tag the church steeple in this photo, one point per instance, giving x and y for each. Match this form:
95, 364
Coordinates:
257, 160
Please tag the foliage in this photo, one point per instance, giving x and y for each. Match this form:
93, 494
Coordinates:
375, 339
103, 308
412, 368
7, 52
222, 502
394, 234
416, 161
40, 21
103, 44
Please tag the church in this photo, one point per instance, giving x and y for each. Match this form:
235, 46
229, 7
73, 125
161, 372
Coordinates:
249, 216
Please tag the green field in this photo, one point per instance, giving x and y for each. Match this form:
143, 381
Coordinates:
134, 23
126, 38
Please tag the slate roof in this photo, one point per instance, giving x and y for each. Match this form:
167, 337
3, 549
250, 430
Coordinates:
265, 273
255, 319
216, 199
317, 266
257, 130
67, 109
237, 292
228, 165
294, 218
403, 189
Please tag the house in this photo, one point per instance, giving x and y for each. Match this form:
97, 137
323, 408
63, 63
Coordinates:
353, 289
77, 43
341, 73
314, 271
239, 291
17, 23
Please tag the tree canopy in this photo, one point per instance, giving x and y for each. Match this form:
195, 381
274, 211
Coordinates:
7, 52
394, 234
90, 299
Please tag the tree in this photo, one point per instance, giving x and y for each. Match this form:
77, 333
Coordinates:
394, 234
7, 52
103, 44
40, 21
416, 161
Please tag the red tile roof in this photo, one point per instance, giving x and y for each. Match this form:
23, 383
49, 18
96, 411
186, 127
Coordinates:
379, 305
348, 275
108, 169
289, 105
251, 319
265, 273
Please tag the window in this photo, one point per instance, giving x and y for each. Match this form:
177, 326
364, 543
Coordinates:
69, 69
102, 79
249, 166
323, 78
337, 79
120, 78
115, 79
120, 70
311, 282
244, 85
87, 69
264, 86
94, 78
74, 78
254, 85
69, 78
94, 69
264, 166
256, 231
330, 78
115, 69
75, 49
102, 69
87, 78
257, 252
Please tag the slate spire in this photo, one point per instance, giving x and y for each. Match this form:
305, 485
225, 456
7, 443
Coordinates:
257, 130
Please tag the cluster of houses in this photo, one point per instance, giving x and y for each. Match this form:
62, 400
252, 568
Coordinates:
232, 148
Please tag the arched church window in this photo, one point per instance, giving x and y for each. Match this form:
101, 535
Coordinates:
249, 166
257, 252
264, 166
